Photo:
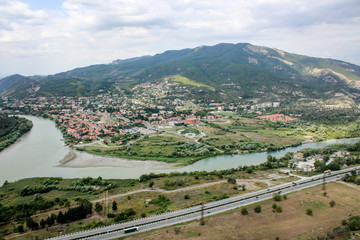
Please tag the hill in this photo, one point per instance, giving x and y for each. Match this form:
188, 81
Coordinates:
224, 72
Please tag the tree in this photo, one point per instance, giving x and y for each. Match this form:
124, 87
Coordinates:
332, 203
31, 224
186, 196
20, 228
61, 218
277, 197
244, 211
5, 183
257, 209
43, 223
114, 205
354, 223
231, 180
50, 220
151, 184
320, 166
98, 207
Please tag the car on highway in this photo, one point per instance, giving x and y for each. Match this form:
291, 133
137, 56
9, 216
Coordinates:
131, 229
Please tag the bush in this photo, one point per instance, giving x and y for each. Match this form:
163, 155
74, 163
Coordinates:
31, 224
124, 216
20, 229
277, 197
354, 225
186, 196
232, 180
274, 206
309, 211
257, 209
98, 207
285, 197
244, 211
278, 209
332, 203
114, 205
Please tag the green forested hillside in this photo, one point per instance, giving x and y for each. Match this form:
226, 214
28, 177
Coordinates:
11, 128
237, 70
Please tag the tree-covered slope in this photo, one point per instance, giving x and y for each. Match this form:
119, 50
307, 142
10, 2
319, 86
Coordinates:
235, 70
11, 128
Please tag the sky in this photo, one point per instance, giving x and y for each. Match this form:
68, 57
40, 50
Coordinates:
40, 37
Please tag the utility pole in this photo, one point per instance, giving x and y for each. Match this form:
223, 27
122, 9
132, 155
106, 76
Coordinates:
202, 221
107, 200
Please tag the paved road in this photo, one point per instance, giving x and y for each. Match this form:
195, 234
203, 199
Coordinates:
187, 214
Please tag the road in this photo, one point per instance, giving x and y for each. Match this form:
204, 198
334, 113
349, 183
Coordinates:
192, 213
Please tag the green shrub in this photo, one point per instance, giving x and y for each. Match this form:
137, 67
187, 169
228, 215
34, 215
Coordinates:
277, 197
244, 211
309, 211
257, 209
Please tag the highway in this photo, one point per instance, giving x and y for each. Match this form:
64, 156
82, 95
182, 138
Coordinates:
192, 213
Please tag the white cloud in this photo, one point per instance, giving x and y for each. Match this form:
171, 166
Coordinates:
83, 32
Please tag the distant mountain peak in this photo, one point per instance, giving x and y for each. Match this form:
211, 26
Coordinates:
241, 70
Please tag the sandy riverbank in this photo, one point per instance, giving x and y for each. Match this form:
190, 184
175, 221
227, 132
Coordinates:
76, 159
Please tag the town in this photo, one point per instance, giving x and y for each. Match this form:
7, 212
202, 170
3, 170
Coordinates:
85, 119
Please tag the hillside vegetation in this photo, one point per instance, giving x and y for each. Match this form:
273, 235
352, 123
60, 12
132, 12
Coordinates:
11, 128
186, 81
236, 70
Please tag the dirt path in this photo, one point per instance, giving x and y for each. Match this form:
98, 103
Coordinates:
268, 182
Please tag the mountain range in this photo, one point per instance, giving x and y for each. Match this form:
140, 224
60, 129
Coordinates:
226, 71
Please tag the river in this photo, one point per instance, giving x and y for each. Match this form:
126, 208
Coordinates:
38, 153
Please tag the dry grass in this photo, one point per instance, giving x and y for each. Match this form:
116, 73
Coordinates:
292, 223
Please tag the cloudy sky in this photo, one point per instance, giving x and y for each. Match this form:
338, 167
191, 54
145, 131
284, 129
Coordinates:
50, 36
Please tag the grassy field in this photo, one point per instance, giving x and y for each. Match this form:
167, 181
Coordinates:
229, 135
292, 223
186, 81
199, 189
156, 146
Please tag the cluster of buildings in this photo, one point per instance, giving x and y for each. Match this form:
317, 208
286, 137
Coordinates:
185, 119
90, 126
277, 118
308, 164
163, 103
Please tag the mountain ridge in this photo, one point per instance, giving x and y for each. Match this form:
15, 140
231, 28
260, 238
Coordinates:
239, 70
